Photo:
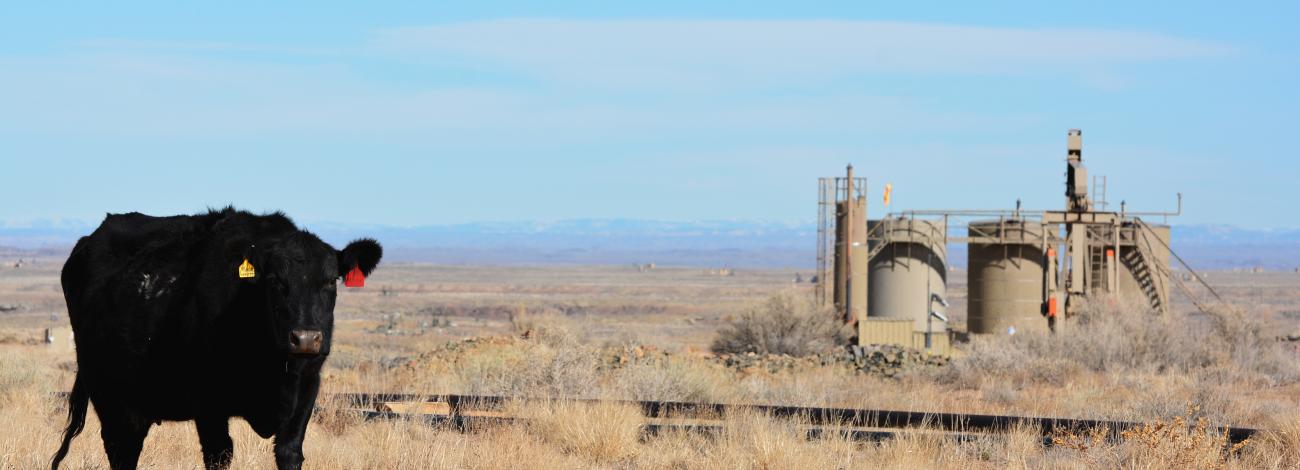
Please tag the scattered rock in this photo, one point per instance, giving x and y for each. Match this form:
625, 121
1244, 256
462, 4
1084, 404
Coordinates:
878, 360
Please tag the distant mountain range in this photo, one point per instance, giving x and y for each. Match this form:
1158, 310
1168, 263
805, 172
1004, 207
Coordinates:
1226, 247
705, 244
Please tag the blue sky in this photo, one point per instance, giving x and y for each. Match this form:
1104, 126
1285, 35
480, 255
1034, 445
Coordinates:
406, 114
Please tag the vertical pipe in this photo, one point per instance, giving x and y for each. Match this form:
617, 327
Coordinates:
866, 248
848, 248
1112, 261
1047, 267
929, 300
821, 288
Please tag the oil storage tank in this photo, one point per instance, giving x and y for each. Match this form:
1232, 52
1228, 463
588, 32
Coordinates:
1006, 277
908, 265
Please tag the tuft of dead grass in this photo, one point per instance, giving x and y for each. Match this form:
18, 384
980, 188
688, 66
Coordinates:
758, 441
603, 433
18, 373
1276, 447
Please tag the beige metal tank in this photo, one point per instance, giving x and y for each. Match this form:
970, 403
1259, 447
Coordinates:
910, 257
1005, 277
1145, 278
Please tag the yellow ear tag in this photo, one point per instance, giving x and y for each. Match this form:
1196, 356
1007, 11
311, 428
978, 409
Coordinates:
246, 270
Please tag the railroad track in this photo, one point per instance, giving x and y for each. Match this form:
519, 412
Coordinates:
464, 412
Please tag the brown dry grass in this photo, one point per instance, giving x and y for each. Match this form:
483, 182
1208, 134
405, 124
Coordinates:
1118, 364
563, 434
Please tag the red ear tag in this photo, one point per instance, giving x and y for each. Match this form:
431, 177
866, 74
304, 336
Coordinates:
354, 278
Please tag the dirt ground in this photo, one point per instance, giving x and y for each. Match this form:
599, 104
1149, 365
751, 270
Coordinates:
674, 308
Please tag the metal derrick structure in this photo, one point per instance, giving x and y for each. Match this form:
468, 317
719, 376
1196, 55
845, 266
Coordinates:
842, 206
1100, 251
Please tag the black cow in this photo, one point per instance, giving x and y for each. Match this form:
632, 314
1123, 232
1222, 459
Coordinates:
202, 318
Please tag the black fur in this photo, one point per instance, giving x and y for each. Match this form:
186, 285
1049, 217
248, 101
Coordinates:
167, 331
363, 253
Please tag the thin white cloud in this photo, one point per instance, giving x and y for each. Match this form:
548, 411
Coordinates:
136, 45
668, 51
600, 80
147, 93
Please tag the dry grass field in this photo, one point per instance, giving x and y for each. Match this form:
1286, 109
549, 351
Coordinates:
615, 332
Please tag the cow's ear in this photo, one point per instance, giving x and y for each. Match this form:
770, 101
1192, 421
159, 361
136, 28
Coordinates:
363, 253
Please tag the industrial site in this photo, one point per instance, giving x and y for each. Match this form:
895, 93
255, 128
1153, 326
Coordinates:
670, 235
1026, 268
1072, 337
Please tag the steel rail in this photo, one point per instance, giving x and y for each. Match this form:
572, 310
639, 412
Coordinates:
466, 423
959, 425
870, 418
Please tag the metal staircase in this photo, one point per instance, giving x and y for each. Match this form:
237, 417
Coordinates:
1147, 236
1149, 275
875, 233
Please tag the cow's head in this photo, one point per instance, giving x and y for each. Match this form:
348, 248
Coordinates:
299, 276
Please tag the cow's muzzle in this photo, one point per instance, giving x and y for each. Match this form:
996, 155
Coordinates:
305, 342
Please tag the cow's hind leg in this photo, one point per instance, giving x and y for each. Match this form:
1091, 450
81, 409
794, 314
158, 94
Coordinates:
214, 436
123, 436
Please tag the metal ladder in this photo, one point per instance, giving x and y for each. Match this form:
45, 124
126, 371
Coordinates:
1097, 264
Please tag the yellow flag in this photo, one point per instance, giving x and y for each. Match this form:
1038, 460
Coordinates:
246, 270
889, 188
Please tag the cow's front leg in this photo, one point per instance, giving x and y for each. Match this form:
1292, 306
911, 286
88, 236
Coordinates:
214, 436
288, 441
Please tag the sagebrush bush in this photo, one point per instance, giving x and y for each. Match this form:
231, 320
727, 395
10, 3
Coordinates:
786, 323
1112, 336
554, 364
